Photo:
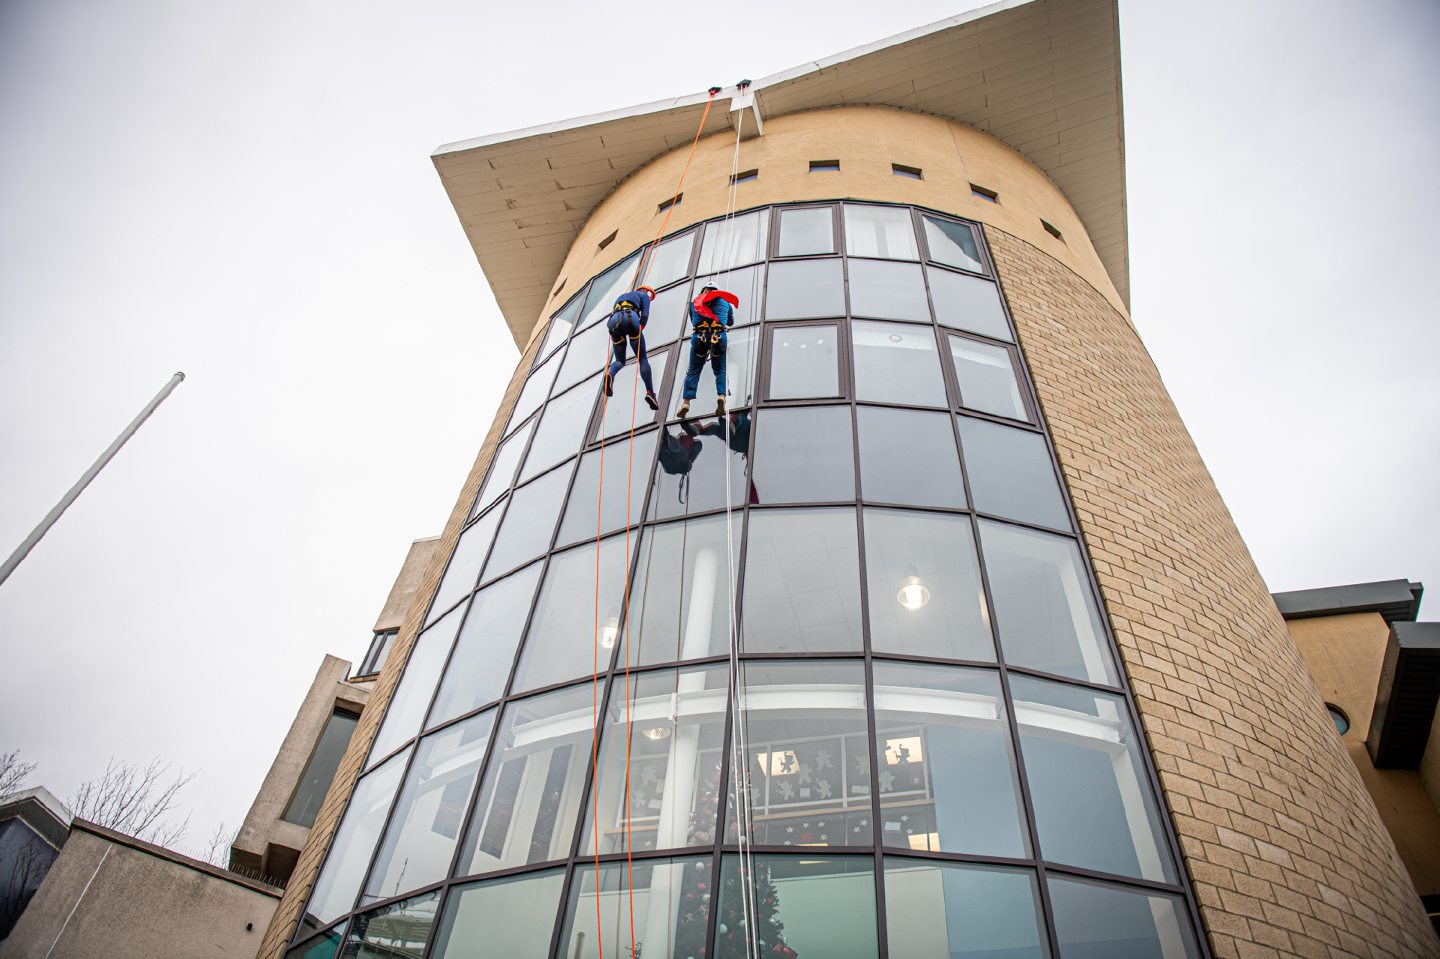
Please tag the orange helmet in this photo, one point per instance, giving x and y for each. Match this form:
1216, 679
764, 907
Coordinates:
646, 289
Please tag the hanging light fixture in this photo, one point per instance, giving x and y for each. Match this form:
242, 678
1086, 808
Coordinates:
656, 733
914, 593
609, 631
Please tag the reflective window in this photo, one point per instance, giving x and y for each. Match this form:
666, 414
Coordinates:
889, 291
320, 769
562, 642
349, 857
397, 931
1011, 474
464, 568
736, 242
880, 231
500, 919
321, 947
924, 586
1044, 609
806, 231
1093, 805
693, 460
748, 285
803, 362
807, 907
668, 312
679, 597
417, 685
502, 468
533, 783
803, 727
561, 432
952, 243
627, 407
420, 840
897, 363
625, 466
536, 388
740, 359
986, 375
529, 522
1338, 717
909, 457
670, 916
607, 288
962, 911
945, 767
802, 582
968, 303
1095, 920
800, 289
485, 651
803, 455
669, 262
588, 354
560, 326
677, 727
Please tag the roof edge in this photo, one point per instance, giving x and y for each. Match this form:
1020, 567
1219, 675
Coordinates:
1397, 600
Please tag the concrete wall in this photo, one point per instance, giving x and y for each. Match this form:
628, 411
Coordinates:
111, 896
407, 584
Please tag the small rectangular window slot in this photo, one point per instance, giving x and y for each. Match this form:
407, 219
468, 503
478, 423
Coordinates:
984, 194
562, 281
913, 172
673, 201
824, 166
1052, 231
609, 239
746, 176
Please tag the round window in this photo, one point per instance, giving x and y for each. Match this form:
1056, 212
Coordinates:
1337, 715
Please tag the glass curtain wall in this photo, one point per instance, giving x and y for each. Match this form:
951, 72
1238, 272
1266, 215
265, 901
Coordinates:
928, 744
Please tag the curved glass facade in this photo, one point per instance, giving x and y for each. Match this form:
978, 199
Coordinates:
943, 758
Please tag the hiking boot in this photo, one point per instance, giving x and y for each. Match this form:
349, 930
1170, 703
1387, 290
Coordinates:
609, 384
684, 410
651, 401
720, 406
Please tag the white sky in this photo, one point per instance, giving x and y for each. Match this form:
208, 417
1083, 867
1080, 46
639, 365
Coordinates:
243, 191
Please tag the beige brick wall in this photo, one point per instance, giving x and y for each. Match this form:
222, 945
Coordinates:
1285, 847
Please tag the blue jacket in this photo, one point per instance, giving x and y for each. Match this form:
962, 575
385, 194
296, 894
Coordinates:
724, 314
641, 299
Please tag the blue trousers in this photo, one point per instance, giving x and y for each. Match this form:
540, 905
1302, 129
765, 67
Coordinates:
625, 326
701, 349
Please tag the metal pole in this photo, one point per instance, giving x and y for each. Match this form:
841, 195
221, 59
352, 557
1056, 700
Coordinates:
90, 474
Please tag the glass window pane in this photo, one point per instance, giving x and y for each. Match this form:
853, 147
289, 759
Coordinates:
679, 598
536, 389
627, 407
740, 350
801, 289
802, 581
533, 783
968, 303
322, 947
412, 696
897, 363
808, 907
1093, 805
502, 469
1044, 609
882, 231
675, 927
747, 284
485, 651
693, 461
803, 362
803, 454
809, 754
667, 318
621, 469
559, 330
561, 643
1095, 920
320, 769
909, 457
344, 870
963, 911
735, 243
986, 376
891, 291
561, 432
500, 919
669, 262
677, 729
529, 522
946, 770
807, 231
1011, 474
953, 244
924, 586
607, 288
396, 931
420, 840
464, 568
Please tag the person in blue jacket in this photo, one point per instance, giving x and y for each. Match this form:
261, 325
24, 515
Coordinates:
712, 313
627, 324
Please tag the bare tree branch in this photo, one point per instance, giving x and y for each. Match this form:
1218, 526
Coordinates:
13, 773
217, 847
134, 800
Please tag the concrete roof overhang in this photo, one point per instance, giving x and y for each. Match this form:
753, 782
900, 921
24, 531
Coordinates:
1041, 75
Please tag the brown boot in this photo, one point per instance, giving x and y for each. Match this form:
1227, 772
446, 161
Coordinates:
720, 406
684, 409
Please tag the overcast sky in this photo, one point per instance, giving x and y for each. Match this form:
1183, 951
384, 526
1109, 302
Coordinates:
243, 191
